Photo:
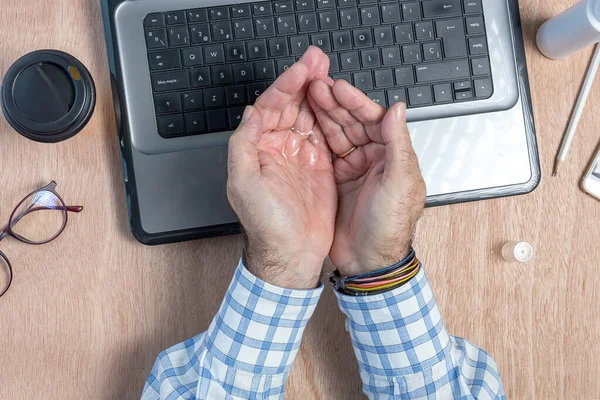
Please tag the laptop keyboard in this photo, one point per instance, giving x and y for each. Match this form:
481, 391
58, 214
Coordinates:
207, 64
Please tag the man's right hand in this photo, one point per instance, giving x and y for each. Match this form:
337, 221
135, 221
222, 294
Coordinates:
380, 187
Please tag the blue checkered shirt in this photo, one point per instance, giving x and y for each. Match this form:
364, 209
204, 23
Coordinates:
399, 338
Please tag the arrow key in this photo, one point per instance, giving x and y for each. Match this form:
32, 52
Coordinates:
442, 93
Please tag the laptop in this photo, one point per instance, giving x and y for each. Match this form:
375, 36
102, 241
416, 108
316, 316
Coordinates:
182, 72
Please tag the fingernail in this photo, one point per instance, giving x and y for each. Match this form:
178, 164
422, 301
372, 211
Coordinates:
247, 114
401, 112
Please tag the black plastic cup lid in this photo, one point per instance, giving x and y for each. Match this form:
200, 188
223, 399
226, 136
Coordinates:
48, 96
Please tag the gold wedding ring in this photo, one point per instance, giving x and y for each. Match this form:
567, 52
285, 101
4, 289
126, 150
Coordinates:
346, 154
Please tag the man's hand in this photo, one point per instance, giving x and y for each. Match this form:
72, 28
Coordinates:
281, 183
380, 187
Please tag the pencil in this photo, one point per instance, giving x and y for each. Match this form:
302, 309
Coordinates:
579, 106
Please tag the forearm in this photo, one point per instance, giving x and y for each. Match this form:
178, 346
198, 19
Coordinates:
403, 348
248, 349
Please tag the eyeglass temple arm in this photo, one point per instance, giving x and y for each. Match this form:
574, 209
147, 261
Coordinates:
75, 209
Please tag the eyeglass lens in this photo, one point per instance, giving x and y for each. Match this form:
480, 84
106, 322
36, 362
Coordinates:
40, 217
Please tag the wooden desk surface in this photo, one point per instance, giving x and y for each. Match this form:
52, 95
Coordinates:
89, 312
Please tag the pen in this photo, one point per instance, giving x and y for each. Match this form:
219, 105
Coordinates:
579, 106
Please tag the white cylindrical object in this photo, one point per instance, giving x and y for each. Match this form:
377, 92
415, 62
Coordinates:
572, 30
517, 252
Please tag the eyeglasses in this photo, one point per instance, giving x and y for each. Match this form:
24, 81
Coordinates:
28, 225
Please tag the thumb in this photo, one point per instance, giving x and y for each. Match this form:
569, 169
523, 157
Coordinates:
243, 153
400, 157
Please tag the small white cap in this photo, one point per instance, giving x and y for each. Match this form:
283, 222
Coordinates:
517, 251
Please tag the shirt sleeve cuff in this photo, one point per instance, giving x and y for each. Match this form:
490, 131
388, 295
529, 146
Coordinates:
398, 332
259, 326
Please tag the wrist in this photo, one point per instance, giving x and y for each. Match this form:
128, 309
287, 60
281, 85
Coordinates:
291, 270
365, 263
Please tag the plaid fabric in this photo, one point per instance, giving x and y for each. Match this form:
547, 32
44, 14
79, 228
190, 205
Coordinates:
399, 339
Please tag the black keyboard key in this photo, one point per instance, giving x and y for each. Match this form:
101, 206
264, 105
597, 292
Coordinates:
404, 33
370, 58
383, 78
391, 56
442, 93
234, 115
441, 8
255, 90
216, 120
307, 22
464, 85
411, 11
264, 26
328, 20
432, 51
265, 70
343, 76
363, 80
201, 77
243, 29
475, 26
192, 57
235, 95
445, 71
305, 5
362, 37
243, 72
286, 24
200, 15
472, 6
167, 103
424, 30
170, 125
262, 8
199, 33
349, 61
383, 35
178, 36
235, 52
156, 39
257, 49
378, 96
369, 16
214, 54
218, 13
299, 44
483, 88
411, 53
283, 64
321, 40
323, 4
452, 33
222, 75
342, 40
480, 66
346, 3
166, 59
278, 47
364, 2
466, 95
193, 100
240, 11
390, 13
214, 98
349, 18
221, 31
334, 65
195, 123
176, 17
419, 95
172, 80
395, 96
404, 76
478, 46
155, 20
283, 6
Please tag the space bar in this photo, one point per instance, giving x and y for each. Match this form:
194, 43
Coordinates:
442, 71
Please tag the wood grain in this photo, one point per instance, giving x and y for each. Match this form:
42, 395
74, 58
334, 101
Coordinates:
89, 312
